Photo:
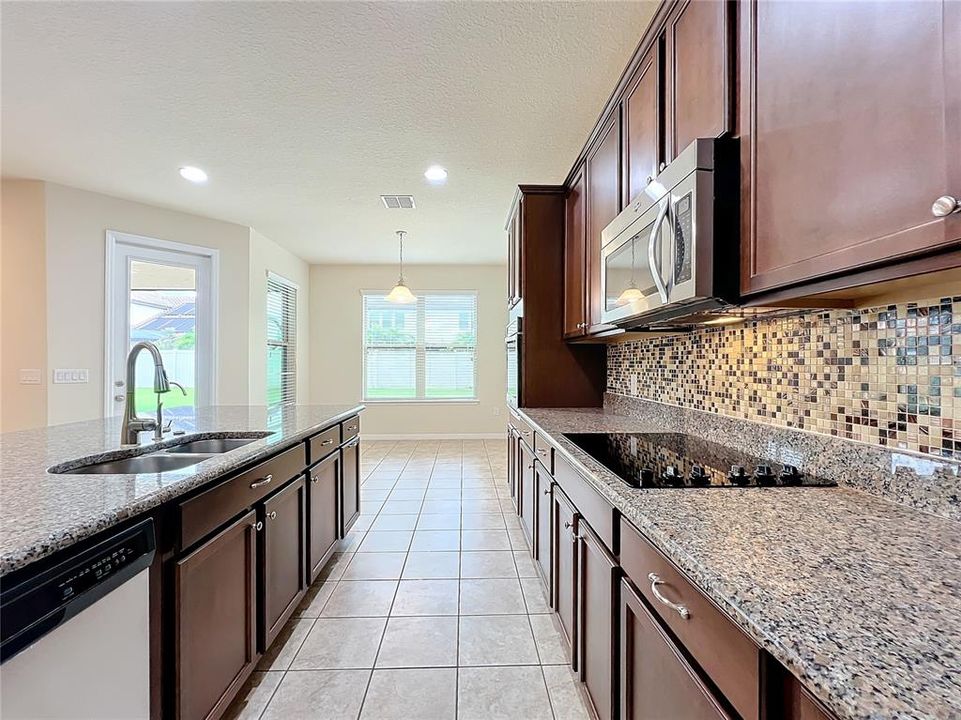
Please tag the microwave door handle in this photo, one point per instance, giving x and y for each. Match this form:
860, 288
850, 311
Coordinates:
651, 259
669, 216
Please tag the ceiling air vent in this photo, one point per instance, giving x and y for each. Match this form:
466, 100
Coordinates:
398, 202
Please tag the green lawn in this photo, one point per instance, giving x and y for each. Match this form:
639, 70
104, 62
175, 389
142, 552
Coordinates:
408, 394
147, 399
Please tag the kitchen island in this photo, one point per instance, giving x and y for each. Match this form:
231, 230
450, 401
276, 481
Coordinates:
241, 528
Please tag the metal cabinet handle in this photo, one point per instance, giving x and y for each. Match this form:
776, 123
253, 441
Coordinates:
263, 481
272, 515
351, 427
257, 525
328, 441
353, 442
945, 205
570, 530
542, 451
676, 607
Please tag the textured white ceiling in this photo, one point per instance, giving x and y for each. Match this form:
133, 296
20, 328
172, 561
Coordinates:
304, 113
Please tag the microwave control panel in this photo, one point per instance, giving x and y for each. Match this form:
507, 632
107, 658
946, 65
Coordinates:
683, 238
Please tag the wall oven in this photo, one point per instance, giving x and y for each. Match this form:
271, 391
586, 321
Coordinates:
513, 343
672, 253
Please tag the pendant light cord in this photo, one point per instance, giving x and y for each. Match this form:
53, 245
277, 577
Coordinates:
400, 234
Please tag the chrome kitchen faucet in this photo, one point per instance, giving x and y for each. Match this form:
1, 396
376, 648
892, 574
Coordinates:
132, 425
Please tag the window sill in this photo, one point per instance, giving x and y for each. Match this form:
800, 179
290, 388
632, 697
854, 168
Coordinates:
435, 401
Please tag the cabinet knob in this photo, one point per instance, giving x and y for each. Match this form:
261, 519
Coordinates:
662, 166
272, 515
258, 525
945, 205
650, 179
314, 478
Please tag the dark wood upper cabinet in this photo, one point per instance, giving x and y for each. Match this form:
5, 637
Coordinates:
215, 597
850, 131
699, 73
322, 513
603, 167
514, 258
642, 126
656, 681
349, 485
284, 557
596, 626
575, 258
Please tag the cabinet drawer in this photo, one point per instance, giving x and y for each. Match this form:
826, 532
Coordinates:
350, 429
323, 444
523, 429
725, 654
206, 512
592, 507
544, 452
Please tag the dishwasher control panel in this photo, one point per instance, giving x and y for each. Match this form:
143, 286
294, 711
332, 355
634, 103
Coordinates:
32, 606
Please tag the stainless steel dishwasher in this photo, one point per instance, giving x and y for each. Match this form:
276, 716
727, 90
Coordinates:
75, 636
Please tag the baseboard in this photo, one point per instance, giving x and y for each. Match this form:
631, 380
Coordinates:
435, 436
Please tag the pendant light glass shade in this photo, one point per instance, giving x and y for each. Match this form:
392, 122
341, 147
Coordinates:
401, 294
629, 296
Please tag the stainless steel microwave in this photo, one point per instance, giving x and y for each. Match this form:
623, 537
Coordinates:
673, 252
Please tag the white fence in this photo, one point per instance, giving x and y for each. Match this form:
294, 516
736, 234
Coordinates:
181, 367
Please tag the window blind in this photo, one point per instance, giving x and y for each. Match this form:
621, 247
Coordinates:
281, 340
422, 351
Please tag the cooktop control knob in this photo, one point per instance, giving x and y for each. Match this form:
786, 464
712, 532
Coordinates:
738, 475
790, 475
699, 477
673, 477
764, 475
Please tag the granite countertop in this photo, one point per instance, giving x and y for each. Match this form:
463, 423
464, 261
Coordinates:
42, 512
859, 597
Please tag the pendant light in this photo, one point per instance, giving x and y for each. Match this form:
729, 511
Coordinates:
401, 294
631, 293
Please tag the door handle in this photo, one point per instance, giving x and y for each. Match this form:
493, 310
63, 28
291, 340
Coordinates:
652, 243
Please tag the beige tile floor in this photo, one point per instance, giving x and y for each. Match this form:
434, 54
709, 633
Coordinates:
431, 609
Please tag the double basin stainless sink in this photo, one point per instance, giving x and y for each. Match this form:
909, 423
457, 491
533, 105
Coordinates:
190, 452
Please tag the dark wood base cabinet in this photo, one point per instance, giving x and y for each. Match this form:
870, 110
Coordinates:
656, 681
527, 492
564, 557
284, 557
349, 485
322, 530
542, 527
215, 593
596, 597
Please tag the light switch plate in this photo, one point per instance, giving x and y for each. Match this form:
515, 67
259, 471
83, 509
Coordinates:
68, 376
30, 376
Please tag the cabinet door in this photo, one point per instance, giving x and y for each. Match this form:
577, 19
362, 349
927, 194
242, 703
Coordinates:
656, 680
349, 485
511, 262
322, 516
603, 203
215, 596
528, 492
284, 557
642, 127
542, 546
596, 613
849, 143
575, 258
699, 73
564, 554
514, 255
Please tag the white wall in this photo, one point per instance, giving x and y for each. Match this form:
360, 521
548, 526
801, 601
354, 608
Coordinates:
23, 302
337, 362
76, 223
266, 255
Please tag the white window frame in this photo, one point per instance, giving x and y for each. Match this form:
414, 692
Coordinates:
420, 329
281, 280
117, 311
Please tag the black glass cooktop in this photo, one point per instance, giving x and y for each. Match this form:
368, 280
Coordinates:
675, 460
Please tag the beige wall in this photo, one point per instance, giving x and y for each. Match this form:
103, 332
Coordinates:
337, 362
77, 221
23, 301
266, 255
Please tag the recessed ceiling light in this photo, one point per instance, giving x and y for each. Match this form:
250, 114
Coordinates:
193, 174
435, 174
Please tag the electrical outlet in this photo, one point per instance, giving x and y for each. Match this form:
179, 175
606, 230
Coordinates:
497, 411
30, 376
67, 376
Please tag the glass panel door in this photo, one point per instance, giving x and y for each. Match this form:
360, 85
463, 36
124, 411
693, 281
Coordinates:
161, 296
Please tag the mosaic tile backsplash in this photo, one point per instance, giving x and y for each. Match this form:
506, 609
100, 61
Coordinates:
887, 375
